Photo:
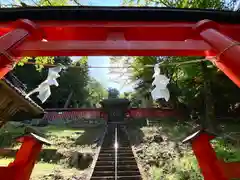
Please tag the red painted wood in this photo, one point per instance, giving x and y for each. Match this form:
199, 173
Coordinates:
98, 113
207, 159
6, 42
98, 38
96, 30
231, 169
229, 61
21, 168
211, 167
123, 47
71, 38
18, 32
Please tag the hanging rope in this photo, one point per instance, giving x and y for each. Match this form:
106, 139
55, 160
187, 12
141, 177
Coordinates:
129, 66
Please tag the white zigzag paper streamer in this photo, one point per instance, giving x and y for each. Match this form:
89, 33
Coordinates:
43, 89
160, 81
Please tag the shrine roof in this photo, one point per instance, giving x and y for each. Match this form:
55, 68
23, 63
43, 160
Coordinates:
28, 100
86, 13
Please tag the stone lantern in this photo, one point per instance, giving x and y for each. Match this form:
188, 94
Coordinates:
115, 109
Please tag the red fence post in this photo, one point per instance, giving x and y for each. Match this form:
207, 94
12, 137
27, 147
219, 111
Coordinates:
26, 158
227, 49
231, 169
207, 160
21, 168
22, 29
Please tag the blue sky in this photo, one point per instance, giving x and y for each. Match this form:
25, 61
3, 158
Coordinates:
102, 74
101, 2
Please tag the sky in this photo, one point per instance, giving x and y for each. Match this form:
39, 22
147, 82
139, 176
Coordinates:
101, 2
102, 74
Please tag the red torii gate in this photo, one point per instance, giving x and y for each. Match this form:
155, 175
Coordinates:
122, 31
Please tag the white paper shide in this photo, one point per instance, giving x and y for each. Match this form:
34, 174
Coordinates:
160, 82
43, 89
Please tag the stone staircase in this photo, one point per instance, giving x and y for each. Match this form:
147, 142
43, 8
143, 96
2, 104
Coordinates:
121, 166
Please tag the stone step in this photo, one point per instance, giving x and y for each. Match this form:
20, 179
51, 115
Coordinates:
127, 168
113, 151
124, 144
120, 168
112, 158
138, 177
127, 162
103, 173
105, 163
120, 154
119, 177
106, 154
128, 173
120, 159
119, 148
112, 173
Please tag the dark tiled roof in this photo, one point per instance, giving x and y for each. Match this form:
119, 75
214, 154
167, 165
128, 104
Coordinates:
84, 13
15, 81
23, 94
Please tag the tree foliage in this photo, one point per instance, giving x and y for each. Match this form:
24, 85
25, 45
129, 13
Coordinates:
85, 91
76, 88
192, 86
37, 3
113, 93
203, 4
96, 92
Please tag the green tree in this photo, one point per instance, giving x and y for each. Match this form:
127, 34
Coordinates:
210, 4
96, 92
113, 93
192, 86
38, 3
73, 80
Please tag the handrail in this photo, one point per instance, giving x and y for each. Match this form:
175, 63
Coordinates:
116, 153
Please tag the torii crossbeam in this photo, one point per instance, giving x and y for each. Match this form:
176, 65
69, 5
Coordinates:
86, 31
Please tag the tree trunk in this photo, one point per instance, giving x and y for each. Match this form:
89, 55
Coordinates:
147, 101
68, 100
209, 120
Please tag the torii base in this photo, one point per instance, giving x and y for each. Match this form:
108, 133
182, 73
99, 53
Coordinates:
21, 168
211, 167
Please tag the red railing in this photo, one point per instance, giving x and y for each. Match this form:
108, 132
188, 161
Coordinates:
151, 112
67, 114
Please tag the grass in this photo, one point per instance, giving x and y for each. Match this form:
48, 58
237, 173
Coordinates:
42, 168
61, 130
166, 159
65, 140
184, 168
39, 169
5, 161
226, 151
169, 159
